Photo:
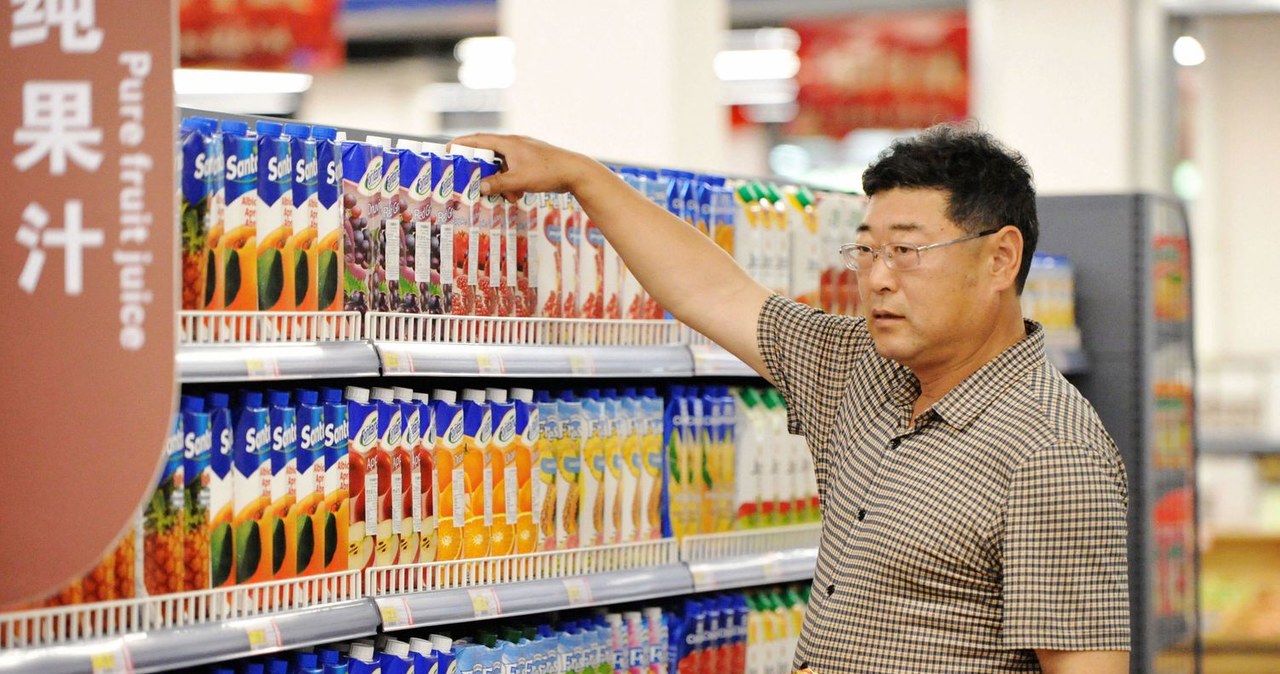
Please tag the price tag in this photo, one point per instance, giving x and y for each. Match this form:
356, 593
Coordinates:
489, 363
263, 634
582, 364
395, 613
579, 591
111, 658
484, 602
704, 579
772, 569
262, 368
396, 362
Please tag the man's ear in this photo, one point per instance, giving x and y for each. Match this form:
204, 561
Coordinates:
1007, 257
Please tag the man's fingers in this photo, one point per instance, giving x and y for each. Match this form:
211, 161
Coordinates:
487, 141
499, 184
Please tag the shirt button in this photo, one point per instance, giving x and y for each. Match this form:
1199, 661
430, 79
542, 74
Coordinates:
831, 589
862, 514
893, 444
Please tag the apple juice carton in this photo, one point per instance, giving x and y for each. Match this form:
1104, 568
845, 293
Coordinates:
451, 478
330, 253
197, 443
630, 430
546, 234
393, 482
283, 417
569, 458
369, 469
570, 249
522, 224
251, 456
490, 222
424, 480
161, 526
237, 247
591, 267
477, 499
501, 468
461, 211
413, 268
337, 481
309, 513
611, 431
546, 465
522, 455
275, 220
442, 237
221, 500
362, 181
301, 249
406, 462
594, 470
198, 162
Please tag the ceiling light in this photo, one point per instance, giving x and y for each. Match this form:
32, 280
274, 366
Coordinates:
757, 64
1188, 51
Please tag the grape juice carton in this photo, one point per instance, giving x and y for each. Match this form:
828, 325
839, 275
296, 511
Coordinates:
478, 501
502, 471
490, 222
198, 163
424, 480
570, 249
337, 481
442, 237
386, 231
330, 252
594, 469
461, 210
611, 432
369, 470
546, 235
301, 249
522, 223
630, 430
522, 455
591, 268
251, 456
309, 513
362, 182
546, 464
451, 477
221, 499
654, 486
406, 462
237, 246
283, 417
413, 266
392, 482
275, 220
574, 426
197, 442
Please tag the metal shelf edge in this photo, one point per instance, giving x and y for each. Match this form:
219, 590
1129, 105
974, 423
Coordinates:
710, 360
753, 570
205, 363
423, 359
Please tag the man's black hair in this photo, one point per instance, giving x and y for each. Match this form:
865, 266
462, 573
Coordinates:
988, 185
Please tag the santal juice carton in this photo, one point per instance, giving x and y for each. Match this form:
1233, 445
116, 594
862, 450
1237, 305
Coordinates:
337, 481
251, 454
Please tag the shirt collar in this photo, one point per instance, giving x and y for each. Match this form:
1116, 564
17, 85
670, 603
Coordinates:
962, 404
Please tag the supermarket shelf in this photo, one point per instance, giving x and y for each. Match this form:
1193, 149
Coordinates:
445, 360
753, 570
201, 363
1244, 443
710, 360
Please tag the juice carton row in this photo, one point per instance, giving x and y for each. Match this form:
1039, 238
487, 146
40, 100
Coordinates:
738, 633
1050, 294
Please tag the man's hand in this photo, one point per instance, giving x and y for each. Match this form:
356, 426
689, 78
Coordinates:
1083, 662
529, 165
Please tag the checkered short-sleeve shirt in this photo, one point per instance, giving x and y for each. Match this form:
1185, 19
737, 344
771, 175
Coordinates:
960, 541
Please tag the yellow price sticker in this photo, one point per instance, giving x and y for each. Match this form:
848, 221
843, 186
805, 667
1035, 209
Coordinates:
772, 569
263, 635
395, 613
261, 368
396, 362
484, 602
704, 579
112, 659
579, 591
581, 363
489, 363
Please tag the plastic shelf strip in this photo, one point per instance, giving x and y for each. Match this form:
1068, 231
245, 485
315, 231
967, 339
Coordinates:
245, 362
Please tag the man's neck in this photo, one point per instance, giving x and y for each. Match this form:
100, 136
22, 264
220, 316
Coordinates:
937, 382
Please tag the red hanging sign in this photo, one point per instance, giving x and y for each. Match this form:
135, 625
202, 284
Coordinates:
261, 34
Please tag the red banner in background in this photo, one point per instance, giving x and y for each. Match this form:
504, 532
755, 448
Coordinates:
261, 34
894, 71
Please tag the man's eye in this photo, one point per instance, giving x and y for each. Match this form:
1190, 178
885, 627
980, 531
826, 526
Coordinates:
900, 249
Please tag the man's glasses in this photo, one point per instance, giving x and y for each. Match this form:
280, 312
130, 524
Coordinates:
898, 256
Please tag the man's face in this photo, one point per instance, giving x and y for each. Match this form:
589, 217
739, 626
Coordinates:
931, 315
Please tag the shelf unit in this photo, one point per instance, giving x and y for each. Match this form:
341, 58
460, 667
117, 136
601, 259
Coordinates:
222, 346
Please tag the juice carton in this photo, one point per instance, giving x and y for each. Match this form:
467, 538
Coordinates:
749, 445
657, 625
724, 477
806, 257
748, 216
330, 253
500, 466
570, 248
673, 192
407, 463
523, 458
779, 236
369, 470
424, 481
337, 481
702, 462
546, 461
393, 483
301, 249
490, 223
829, 211
546, 235
283, 417
630, 429
653, 490
443, 205
702, 190
785, 492
594, 469
198, 164
451, 478
723, 225
251, 456
275, 220
362, 181
222, 551
477, 501
614, 274
309, 513
413, 268
197, 443
237, 247
637, 643
522, 222
677, 440
591, 268
631, 297
569, 458
461, 210
611, 431
385, 229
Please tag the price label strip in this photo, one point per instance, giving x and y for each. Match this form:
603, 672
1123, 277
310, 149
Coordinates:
579, 591
484, 602
111, 658
489, 363
262, 368
395, 613
582, 364
773, 569
263, 634
397, 362
704, 579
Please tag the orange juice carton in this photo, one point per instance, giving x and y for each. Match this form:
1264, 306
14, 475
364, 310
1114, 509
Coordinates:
362, 181
301, 248
611, 431
283, 417
442, 236
806, 259
460, 210
222, 550
522, 223
275, 220
724, 475
546, 236
748, 217
749, 446
369, 469
630, 430
386, 232
653, 491
546, 466
723, 225
451, 477
779, 238
490, 220
237, 242
570, 250
573, 430
337, 481
591, 268
702, 218
424, 480
523, 456
478, 501
406, 462
309, 513
594, 469
251, 456
409, 273
702, 462
501, 469
330, 252
199, 164
197, 443
784, 492
391, 511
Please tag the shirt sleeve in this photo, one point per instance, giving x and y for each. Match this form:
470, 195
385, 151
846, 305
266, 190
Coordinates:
809, 356
1066, 581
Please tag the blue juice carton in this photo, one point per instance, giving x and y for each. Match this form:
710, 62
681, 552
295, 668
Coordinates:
221, 498
197, 443
330, 252
337, 481
309, 513
251, 456
283, 417
301, 249
275, 219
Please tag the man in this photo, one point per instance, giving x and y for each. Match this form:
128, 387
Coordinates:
973, 505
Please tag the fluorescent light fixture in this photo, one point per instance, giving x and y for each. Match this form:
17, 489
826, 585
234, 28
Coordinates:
756, 64
485, 49
1187, 51
202, 81
486, 62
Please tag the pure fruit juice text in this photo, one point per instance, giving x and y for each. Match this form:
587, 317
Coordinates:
406, 462
197, 442
569, 459
521, 455
275, 220
309, 513
367, 468
302, 247
251, 454
283, 417
451, 479
337, 481
221, 499
478, 502
393, 469
330, 255
362, 216
424, 481
237, 247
